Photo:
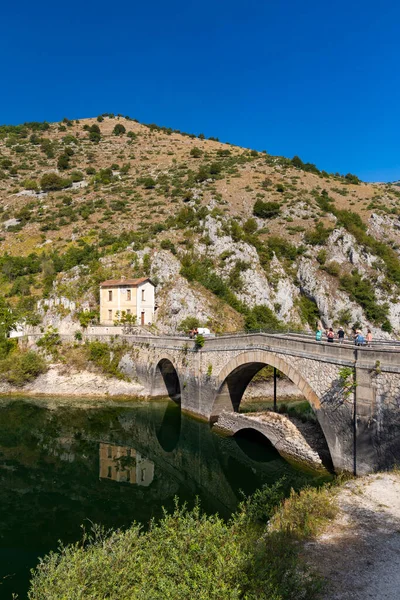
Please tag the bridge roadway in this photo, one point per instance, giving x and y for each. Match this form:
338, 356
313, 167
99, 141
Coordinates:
354, 391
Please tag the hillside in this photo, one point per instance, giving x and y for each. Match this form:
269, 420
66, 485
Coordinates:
231, 236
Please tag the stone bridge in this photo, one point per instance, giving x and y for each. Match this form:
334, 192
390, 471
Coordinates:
361, 422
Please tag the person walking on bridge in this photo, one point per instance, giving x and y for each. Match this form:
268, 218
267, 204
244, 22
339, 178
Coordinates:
318, 334
340, 335
330, 335
369, 337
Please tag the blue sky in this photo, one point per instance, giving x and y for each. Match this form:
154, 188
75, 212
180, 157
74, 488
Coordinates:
312, 78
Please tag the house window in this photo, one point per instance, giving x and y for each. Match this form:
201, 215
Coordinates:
143, 475
128, 476
109, 473
110, 315
109, 452
128, 294
142, 295
109, 295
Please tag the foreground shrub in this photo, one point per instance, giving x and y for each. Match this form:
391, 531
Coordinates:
190, 555
21, 367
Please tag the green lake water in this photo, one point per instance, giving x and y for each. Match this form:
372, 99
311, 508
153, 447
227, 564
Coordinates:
64, 465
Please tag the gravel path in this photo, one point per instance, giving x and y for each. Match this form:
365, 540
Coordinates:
359, 552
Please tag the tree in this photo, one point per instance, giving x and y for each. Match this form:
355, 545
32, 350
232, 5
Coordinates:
119, 129
297, 162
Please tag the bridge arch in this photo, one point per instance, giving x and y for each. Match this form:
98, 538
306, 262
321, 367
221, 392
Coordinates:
166, 379
236, 375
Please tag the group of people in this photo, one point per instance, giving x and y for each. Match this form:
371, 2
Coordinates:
358, 337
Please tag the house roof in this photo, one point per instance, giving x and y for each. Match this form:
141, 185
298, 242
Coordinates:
131, 282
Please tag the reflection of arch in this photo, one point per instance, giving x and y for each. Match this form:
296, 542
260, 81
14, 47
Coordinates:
166, 380
237, 374
168, 433
247, 438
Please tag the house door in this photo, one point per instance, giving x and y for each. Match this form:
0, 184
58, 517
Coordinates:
142, 318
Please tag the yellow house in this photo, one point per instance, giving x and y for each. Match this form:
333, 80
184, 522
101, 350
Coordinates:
132, 296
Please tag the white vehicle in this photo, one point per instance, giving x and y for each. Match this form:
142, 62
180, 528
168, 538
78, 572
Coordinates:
204, 331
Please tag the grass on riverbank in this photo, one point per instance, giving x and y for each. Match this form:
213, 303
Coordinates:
191, 555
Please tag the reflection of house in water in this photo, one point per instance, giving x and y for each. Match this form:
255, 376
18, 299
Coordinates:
124, 464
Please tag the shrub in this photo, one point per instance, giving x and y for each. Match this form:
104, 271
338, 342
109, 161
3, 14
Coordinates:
63, 162
262, 317
106, 358
147, 182
76, 176
303, 513
333, 268
250, 226
266, 210
196, 153
50, 341
188, 324
350, 178
119, 129
190, 555
319, 236
282, 248
52, 182
362, 291
31, 184
94, 137
168, 245
21, 367
200, 340
309, 312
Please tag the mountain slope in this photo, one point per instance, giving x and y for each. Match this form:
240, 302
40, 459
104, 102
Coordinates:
231, 236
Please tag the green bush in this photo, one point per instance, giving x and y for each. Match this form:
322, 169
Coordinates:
106, 358
266, 210
119, 129
50, 341
309, 312
190, 555
196, 152
53, 182
21, 367
362, 291
262, 317
63, 162
188, 324
168, 245
333, 268
319, 236
283, 248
